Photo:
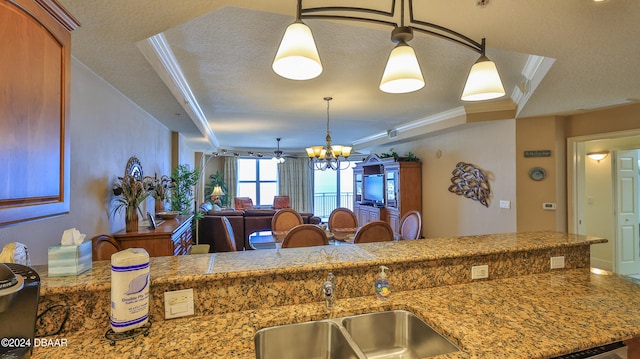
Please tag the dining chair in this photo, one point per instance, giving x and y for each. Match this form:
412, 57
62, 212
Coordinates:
411, 225
305, 235
283, 220
376, 231
103, 247
228, 243
342, 222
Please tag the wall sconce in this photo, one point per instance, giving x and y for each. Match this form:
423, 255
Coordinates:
598, 156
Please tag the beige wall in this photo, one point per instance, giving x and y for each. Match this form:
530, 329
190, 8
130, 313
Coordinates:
604, 121
487, 145
542, 133
106, 129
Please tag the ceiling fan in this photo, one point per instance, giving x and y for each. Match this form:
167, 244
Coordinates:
278, 155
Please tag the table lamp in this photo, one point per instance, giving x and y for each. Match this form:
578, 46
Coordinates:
215, 195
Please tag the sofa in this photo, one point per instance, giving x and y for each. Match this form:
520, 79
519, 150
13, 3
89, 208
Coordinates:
244, 223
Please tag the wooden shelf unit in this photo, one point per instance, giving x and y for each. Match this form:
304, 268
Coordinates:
402, 183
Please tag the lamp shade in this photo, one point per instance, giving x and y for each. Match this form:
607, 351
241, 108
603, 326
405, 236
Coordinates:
217, 191
297, 57
483, 82
402, 73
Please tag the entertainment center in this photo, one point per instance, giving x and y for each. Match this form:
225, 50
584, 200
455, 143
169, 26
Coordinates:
386, 189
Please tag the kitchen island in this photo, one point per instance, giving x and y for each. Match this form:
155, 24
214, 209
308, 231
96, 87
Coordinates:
511, 315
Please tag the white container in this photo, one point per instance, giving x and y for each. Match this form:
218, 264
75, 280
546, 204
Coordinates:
129, 289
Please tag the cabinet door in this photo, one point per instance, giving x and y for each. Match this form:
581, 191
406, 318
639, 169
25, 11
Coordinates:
391, 186
357, 185
35, 59
393, 218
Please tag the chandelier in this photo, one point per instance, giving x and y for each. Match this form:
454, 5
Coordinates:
297, 57
328, 157
278, 157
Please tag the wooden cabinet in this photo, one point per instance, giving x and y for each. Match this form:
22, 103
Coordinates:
35, 68
386, 189
367, 214
170, 238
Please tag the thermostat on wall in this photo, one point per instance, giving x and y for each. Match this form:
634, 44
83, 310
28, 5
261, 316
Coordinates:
549, 206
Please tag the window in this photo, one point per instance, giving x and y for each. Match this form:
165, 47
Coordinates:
258, 179
332, 189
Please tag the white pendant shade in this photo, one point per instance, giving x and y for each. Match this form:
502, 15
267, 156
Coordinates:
402, 73
483, 82
297, 57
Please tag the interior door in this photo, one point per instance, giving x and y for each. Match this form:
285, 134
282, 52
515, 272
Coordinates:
628, 237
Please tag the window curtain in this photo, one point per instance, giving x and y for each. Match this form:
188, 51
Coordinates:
296, 181
229, 176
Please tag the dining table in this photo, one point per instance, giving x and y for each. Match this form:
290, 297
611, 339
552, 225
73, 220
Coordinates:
267, 240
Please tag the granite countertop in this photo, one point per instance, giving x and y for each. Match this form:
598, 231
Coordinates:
257, 262
532, 316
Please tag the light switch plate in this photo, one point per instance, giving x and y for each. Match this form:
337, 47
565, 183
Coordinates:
480, 272
505, 204
178, 303
557, 262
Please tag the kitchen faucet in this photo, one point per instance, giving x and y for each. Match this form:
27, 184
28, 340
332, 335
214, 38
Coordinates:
328, 291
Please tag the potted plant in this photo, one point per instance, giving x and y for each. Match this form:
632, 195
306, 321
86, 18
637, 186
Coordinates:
130, 193
158, 188
181, 196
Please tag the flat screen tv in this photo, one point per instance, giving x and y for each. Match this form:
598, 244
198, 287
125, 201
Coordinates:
374, 189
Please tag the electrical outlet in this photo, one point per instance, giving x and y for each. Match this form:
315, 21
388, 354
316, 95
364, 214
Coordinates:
480, 272
505, 204
178, 303
557, 262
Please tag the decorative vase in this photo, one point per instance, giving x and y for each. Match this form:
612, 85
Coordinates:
159, 205
131, 220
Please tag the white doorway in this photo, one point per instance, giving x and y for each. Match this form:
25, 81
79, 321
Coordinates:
626, 212
603, 198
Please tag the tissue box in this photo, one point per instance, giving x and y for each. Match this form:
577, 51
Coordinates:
70, 260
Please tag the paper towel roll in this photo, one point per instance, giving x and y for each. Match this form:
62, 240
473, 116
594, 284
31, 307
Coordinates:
129, 289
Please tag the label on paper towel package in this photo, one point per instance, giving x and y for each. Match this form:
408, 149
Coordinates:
69, 260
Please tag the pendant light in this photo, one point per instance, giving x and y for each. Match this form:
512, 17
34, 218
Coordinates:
333, 157
484, 81
402, 73
297, 57
278, 157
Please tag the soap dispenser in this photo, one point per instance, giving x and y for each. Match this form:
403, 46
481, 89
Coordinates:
382, 285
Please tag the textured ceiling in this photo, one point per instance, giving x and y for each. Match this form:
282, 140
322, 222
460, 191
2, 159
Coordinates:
225, 50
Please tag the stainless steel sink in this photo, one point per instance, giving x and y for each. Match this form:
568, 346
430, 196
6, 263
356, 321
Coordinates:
319, 339
395, 334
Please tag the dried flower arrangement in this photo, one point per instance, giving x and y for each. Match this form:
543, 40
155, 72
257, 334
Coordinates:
130, 193
158, 188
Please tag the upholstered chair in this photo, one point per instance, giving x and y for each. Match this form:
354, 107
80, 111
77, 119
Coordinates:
376, 231
103, 247
411, 225
342, 223
280, 202
243, 203
283, 220
305, 235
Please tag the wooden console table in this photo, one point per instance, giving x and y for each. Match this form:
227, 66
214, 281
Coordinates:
170, 238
